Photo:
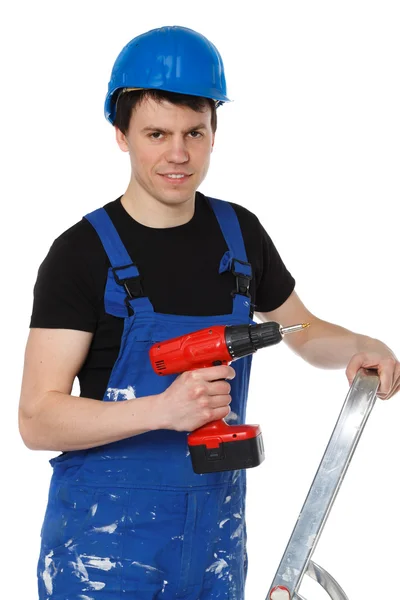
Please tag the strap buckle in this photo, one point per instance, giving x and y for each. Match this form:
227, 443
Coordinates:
242, 278
132, 285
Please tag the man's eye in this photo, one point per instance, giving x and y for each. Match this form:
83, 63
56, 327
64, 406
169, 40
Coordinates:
156, 135
195, 134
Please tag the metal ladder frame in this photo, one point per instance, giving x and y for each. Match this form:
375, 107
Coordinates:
296, 560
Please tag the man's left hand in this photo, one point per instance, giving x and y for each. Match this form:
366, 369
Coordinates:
386, 364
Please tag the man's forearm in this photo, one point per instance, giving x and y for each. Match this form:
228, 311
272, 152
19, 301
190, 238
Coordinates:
330, 346
63, 423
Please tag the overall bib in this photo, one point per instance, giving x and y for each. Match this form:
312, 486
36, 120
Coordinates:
130, 519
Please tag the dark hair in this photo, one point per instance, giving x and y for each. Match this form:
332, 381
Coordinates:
126, 102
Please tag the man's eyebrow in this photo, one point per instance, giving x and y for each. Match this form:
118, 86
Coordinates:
161, 130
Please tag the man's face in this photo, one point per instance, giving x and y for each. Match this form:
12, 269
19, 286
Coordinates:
169, 148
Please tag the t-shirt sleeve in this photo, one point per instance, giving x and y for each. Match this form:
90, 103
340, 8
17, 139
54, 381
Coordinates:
276, 282
64, 292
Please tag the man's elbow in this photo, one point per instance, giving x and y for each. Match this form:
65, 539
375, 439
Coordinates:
25, 432
29, 427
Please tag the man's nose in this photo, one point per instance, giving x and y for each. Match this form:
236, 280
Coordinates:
177, 151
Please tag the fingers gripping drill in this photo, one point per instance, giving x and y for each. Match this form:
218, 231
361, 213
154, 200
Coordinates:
218, 446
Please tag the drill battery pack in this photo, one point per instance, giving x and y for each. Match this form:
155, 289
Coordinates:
221, 447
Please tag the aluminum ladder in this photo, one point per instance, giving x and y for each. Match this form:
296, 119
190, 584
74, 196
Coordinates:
296, 560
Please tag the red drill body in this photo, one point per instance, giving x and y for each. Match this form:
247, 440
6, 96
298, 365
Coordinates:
218, 446
195, 350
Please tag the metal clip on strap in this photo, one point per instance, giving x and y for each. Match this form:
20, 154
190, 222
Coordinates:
131, 282
243, 274
296, 560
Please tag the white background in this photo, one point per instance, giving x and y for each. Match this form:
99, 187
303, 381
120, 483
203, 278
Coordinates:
311, 145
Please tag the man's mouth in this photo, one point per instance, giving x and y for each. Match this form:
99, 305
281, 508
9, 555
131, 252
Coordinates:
176, 177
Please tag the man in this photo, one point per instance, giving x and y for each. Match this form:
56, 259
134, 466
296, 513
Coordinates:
127, 516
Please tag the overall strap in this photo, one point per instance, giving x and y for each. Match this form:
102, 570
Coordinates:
123, 288
235, 259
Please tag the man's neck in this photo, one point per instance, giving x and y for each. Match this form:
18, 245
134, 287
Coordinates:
154, 213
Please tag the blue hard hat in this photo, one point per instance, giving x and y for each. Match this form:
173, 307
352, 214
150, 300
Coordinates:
173, 59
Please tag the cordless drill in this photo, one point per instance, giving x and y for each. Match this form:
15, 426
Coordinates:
218, 446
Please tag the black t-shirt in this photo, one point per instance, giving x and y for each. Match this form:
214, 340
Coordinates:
179, 270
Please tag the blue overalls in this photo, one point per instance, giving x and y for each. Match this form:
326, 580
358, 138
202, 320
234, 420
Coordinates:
130, 519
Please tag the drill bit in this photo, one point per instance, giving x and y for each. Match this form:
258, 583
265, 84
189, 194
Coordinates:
293, 328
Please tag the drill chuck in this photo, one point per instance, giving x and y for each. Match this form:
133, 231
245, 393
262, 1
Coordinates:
242, 340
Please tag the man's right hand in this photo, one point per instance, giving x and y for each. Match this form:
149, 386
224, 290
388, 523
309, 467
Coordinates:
195, 398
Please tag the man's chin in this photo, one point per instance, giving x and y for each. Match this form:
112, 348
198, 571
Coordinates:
175, 196
177, 199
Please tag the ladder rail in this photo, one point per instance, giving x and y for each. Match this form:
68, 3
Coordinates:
340, 449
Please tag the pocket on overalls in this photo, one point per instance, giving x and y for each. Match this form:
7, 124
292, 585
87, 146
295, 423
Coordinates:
70, 510
133, 375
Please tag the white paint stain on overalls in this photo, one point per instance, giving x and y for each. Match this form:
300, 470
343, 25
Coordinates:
96, 585
107, 528
238, 532
104, 564
116, 394
49, 572
231, 417
217, 567
79, 568
147, 567
235, 476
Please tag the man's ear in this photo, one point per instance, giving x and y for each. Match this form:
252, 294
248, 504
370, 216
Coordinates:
121, 140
